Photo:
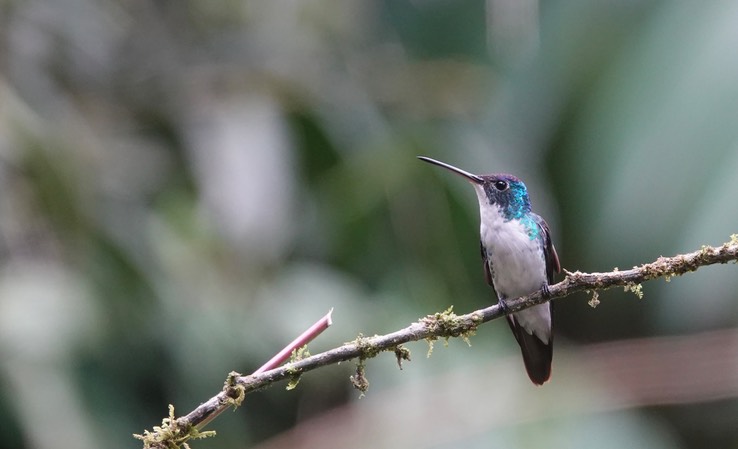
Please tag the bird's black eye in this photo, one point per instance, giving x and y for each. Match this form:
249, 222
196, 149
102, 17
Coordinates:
500, 185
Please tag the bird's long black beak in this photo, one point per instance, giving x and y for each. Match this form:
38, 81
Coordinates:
470, 176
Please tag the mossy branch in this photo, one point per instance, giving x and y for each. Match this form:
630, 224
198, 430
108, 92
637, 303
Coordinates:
447, 324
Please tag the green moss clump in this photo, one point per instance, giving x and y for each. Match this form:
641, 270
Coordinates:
359, 380
594, 301
447, 324
173, 433
234, 391
402, 353
637, 289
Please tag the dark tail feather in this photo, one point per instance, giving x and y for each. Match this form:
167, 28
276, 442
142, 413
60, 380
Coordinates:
537, 355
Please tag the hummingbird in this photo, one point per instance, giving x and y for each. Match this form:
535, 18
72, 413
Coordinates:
518, 258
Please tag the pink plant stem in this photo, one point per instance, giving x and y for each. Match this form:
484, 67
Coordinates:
305, 338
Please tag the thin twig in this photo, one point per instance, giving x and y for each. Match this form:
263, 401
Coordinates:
178, 431
448, 324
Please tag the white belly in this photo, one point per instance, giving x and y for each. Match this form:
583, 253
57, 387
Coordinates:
518, 267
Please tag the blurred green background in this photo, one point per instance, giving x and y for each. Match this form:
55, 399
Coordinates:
186, 185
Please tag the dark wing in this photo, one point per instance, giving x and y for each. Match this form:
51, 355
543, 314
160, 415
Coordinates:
553, 266
485, 264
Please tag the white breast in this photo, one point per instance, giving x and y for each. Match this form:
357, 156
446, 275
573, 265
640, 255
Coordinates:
519, 266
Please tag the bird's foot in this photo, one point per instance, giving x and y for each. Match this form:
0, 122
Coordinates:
503, 306
545, 292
